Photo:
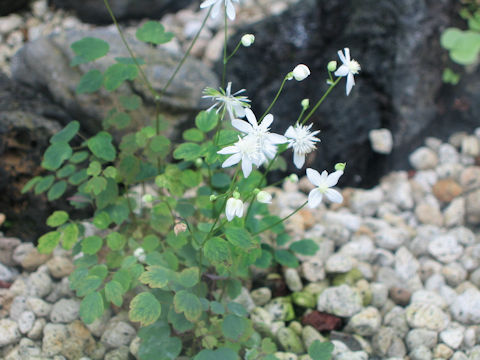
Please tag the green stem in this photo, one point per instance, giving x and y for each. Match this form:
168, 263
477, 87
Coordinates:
234, 51
281, 220
225, 60
321, 100
300, 116
274, 100
144, 77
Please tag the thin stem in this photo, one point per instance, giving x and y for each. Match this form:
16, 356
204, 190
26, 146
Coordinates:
274, 100
281, 220
300, 116
234, 51
225, 60
186, 54
321, 100
144, 77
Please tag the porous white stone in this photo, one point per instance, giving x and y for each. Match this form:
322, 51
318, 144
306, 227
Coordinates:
424, 315
423, 158
381, 140
466, 307
9, 333
340, 300
445, 248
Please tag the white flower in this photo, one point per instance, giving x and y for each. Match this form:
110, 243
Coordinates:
234, 208
264, 197
248, 39
266, 140
234, 104
302, 141
349, 68
216, 7
323, 184
139, 253
245, 150
301, 72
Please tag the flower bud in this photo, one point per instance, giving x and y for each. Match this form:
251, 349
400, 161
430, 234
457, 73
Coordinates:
301, 72
332, 66
213, 197
305, 104
236, 195
248, 39
139, 253
264, 197
340, 166
148, 198
293, 178
198, 162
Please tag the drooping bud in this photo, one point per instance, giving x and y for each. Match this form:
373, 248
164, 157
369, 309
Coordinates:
301, 72
248, 39
264, 197
293, 178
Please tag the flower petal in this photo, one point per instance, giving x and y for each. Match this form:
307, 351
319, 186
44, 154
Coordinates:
242, 126
276, 138
267, 121
246, 166
207, 3
239, 208
314, 177
251, 117
334, 196
216, 9
290, 133
298, 159
232, 160
230, 209
230, 10
342, 71
350, 83
332, 179
228, 150
347, 54
314, 198
342, 58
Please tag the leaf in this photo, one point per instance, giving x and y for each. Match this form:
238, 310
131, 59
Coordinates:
265, 259
189, 304
57, 190
160, 145
153, 32
55, 155
124, 278
30, 184
239, 237
91, 307
150, 242
48, 242
216, 250
234, 326
116, 74
179, 322
234, 288
194, 135
206, 120
237, 309
191, 178
217, 308
102, 220
220, 180
120, 120
101, 146
157, 344
286, 258
219, 354
188, 277
79, 177
116, 241
320, 350
129, 60
69, 236
88, 285
145, 309
78, 157
67, 133
304, 247
44, 184
66, 171
100, 270
114, 292
90, 82
187, 151
57, 218
156, 276
88, 49
92, 244
96, 185
131, 102
129, 168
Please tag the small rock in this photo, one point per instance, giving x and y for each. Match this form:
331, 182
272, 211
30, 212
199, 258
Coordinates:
25, 321
341, 300
429, 316
7, 248
120, 353
38, 306
339, 263
54, 336
472, 207
366, 202
453, 335
445, 248
352, 355
428, 213
313, 270
442, 351
245, 299
381, 140
421, 353
365, 323
406, 266
7, 274
118, 333
419, 337
37, 329
9, 333
471, 146
454, 214
280, 309
304, 299
17, 307
28, 256
360, 247
466, 307
292, 279
261, 296
423, 158
400, 296
390, 238
454, 273
65, 311
379, 294
39, 8
60, 266
310, 334
290, 341
446, 190
447, 154
428, 297
322, 321
10, 23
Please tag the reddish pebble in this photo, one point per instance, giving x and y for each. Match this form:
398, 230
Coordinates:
322, 321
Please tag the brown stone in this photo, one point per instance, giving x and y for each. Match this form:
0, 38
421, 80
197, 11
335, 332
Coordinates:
33, 259
7, 246
400, 296
322, 321
446, 190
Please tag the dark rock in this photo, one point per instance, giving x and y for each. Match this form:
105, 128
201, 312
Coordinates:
95, 11
9, 6
347, 339
399, 87
322, 321
27, 120
400, 296
58, 79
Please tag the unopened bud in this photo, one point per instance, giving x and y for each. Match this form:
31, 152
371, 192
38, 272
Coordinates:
301, 72
264, 197
139, 253
198, 162
305, 104
340, 166
147, 198
332, 66
248, 39
293, 178
236, 195
213, 197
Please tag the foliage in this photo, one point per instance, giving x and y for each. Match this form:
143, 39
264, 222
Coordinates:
174, 250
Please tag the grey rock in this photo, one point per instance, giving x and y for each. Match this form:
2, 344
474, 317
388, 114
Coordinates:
454, 273
339, 263
97, 327
36, 331
40, 284
379, 294
365, 323
7, 274
470, 146
340, 300
397, 348
423, 158
397, 190
7, 247
118, 333
428, 297
55, 76
366, 202
391, 238
447, 154
28, 349
352, 355
406, 266
280, 309
25, 321
292, 279
453, 335
454, 213
261, 296
442, 351
421, 337
466, 307
313, 270
445, 248
458, 355
382, 340
38, 306
310, 334
18, 306
381, 140
245, 299
9, 333
120, 353
54, 336
472, 207
65, 311
424, 315
60, 266
421, 353
290, 341
361, 248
